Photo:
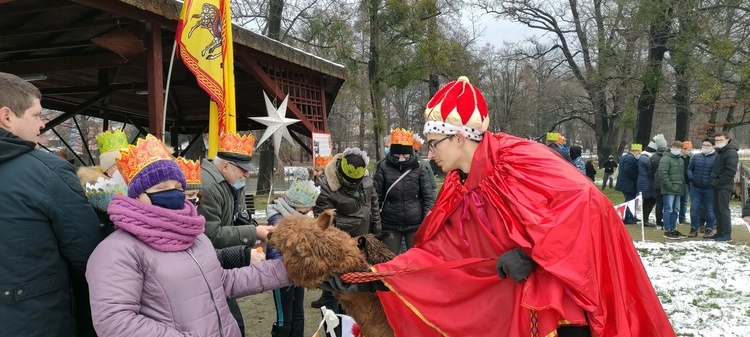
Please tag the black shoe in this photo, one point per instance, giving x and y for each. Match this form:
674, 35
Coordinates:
724, 237
630, 222
317, 303
712, 237
672, 235
679, 234
693, 232
648, 224
708, 233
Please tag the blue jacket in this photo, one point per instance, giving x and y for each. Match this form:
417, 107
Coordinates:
627, 180
272, 253
699, 170
645, 179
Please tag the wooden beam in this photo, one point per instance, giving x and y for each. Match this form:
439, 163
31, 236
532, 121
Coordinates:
48, 46
123, 9
155, 71
57, 28
70, 62
268, 84
301, 143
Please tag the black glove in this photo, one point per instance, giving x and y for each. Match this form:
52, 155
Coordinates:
243, 218
334, 283
516, 264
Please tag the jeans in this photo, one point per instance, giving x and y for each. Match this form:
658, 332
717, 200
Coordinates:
683, 204
671, 211
721, 210
607, 176
629, 216
701, 197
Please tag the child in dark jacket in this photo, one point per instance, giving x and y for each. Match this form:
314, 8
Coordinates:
290, 313
590, 170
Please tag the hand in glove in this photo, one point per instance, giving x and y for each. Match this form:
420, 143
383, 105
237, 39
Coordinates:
334, 283
516, 264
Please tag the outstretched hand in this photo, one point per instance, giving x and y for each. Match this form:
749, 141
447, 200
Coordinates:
516, 264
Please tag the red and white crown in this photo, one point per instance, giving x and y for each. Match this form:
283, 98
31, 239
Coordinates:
457, 107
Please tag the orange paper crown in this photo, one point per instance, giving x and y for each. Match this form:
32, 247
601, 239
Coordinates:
191, 169
134, 158
234, 143
417, 142
402, 137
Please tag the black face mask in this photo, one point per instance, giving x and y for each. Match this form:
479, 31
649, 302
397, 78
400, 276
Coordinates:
194, 201
169, 199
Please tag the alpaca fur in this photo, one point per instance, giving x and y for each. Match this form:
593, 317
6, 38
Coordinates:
312, 249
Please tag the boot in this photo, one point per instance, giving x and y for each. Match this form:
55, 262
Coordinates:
317, 303
281, 331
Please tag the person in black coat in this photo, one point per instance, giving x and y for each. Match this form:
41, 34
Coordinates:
48, 227
609, 167
627, 180
406, 190
590, 170
722, 182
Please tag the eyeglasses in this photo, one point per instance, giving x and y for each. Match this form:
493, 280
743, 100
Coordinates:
237, 166
431, 145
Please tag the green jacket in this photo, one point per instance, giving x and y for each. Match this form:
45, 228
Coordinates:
672, 174
220, 202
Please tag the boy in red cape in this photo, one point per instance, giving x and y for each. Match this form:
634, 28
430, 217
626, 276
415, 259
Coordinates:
512, 208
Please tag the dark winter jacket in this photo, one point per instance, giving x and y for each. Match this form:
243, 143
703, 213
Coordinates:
686, 162
672, 174
645, 178
590, 170
725, 167
356, 217
408, 201
627, 181
746, 209
653, 167
48, 232
609, 166
699, 170
560, 151
220, 204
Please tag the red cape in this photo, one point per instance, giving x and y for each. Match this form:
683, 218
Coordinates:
520, 194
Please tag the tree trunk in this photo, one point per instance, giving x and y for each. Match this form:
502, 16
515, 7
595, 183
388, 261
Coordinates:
373, 74
659, 33
682, 102
267, 158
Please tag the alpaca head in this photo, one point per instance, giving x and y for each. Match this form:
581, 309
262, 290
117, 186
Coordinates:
312, 249
373, 249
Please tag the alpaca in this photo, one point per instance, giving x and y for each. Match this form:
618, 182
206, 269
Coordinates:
312, 249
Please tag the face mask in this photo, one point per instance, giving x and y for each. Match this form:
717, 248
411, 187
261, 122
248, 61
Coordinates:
707, 150
169, 199
675, 152
387, 150
238, 183
402, 159
720, 145
638, 156
194, 201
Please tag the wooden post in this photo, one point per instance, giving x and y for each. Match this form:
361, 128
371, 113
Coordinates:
155, 71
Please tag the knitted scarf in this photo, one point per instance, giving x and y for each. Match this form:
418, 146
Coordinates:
279, 206
163, 229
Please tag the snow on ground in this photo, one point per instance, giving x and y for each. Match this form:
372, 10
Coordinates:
704, 287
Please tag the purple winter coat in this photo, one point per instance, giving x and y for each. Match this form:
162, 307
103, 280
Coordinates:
139, 291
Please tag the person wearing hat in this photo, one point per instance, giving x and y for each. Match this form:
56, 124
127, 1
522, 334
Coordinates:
517, 243
158, 274
645, 183
554, 144
685, 155
661, 147
228, 223
406, 190
609, 166
299, 199
701, 194
346, 187
627, 181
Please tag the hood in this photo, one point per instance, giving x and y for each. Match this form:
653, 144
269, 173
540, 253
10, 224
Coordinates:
333, 179
12, 146
731, 145
575, 152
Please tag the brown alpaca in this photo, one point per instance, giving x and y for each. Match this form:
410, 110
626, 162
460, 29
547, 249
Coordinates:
312, 249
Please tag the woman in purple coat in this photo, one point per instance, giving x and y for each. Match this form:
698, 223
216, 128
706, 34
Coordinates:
157, 274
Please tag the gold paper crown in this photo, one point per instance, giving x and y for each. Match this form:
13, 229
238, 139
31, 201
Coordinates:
551, 136
234, 143
636, 147
560, 139
351, 171
134, 158
191, 169
109, 141
402, 137
417, 142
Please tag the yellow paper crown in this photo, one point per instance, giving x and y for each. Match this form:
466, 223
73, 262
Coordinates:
402, 137
109, 141
351, 171
636, 147
234, 143
134, 158
551, 136
191, 169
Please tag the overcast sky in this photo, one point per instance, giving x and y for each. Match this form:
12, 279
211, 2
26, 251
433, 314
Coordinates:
497, 31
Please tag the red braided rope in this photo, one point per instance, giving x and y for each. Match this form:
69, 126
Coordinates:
371, 276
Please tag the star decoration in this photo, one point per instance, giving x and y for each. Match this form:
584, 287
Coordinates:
275, 123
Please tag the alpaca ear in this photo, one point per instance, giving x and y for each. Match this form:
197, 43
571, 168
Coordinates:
361, 242
325, 219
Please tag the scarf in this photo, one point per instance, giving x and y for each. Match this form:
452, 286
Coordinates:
279, 206
163, 229
351, 189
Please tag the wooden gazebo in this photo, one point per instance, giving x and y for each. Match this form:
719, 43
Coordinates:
109, 59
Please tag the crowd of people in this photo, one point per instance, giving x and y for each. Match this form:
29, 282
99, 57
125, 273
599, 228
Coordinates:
147, 244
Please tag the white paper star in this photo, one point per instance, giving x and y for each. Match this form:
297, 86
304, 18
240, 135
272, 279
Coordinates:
275, 123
